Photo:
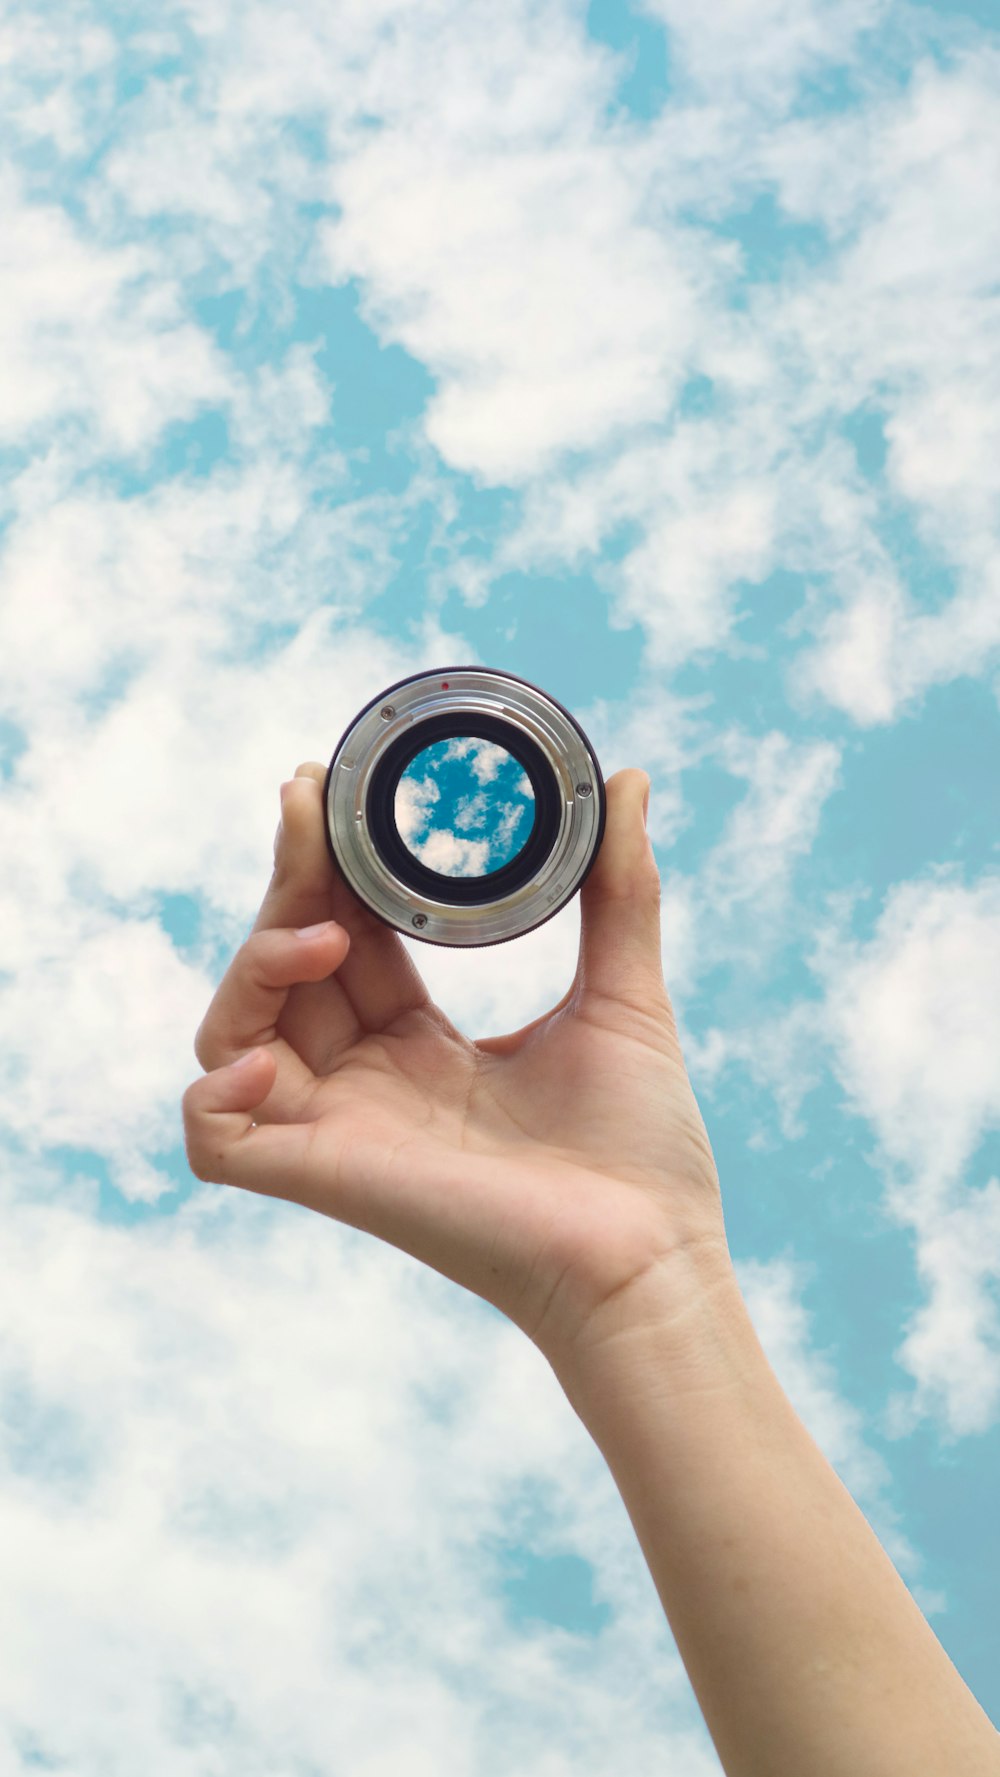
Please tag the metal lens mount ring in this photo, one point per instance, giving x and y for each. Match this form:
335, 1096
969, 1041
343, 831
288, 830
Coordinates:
460, 702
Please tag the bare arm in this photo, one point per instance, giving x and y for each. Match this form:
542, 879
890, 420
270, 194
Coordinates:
564, 1173
806, 1651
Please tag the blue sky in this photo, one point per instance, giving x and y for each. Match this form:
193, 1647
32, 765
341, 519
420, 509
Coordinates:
464, 807
649, 353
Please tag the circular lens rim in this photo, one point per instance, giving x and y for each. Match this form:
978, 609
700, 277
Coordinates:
408, 869
394, 728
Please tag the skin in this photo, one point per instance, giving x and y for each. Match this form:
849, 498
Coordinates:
563, 1173
546, 1170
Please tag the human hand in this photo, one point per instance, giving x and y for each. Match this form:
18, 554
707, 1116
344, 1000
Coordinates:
548, 1171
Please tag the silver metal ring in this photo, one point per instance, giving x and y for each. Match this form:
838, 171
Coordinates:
561, 778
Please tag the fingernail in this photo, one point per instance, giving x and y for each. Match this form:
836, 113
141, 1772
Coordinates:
325, 925
285, 789
645, 806
250, 1055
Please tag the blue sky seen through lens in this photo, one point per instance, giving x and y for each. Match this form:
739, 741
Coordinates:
464, 807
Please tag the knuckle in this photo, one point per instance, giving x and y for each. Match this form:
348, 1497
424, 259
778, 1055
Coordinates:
205, 1161
199, 1166
252, 966
650, 880
254, 956
197, 1156
209, 1167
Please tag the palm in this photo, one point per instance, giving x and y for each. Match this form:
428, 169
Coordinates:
568, 1145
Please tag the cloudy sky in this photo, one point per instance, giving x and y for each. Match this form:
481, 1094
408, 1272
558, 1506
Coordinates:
649, 352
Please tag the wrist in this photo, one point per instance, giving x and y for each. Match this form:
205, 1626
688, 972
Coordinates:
680, 1326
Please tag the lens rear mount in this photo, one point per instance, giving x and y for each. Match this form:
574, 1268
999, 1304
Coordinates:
464, 702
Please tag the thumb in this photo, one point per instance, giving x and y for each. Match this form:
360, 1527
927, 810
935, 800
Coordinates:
620, 904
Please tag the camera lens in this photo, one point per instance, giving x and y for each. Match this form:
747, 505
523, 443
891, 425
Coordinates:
464, 806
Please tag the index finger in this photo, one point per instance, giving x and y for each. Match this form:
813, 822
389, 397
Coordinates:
379, 979
246, 1008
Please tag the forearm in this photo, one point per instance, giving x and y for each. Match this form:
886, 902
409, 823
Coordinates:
807, 1654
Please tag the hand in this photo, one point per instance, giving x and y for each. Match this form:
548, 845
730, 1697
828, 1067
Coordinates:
548, 1171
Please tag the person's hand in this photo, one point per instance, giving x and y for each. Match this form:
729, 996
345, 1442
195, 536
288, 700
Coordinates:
548, 1170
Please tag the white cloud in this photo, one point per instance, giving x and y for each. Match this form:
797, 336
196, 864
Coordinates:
761, 49
49, 71
913, 1019
558, 271
197, 569
907, 321
775, 823
952, 1344
860, 664
485, 760
415, 797
444, 851
887, 320
216, 1396
877, 652
688, 564
96, 1025
472, 811
94, 334
550, 314
738, 908
915, 1015
738, 905
784, 1053
290, 1447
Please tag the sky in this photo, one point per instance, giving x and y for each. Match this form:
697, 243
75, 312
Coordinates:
464, 807
648, 352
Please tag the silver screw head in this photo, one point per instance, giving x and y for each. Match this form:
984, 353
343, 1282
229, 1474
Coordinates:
420, 919
387, 713
584, 790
